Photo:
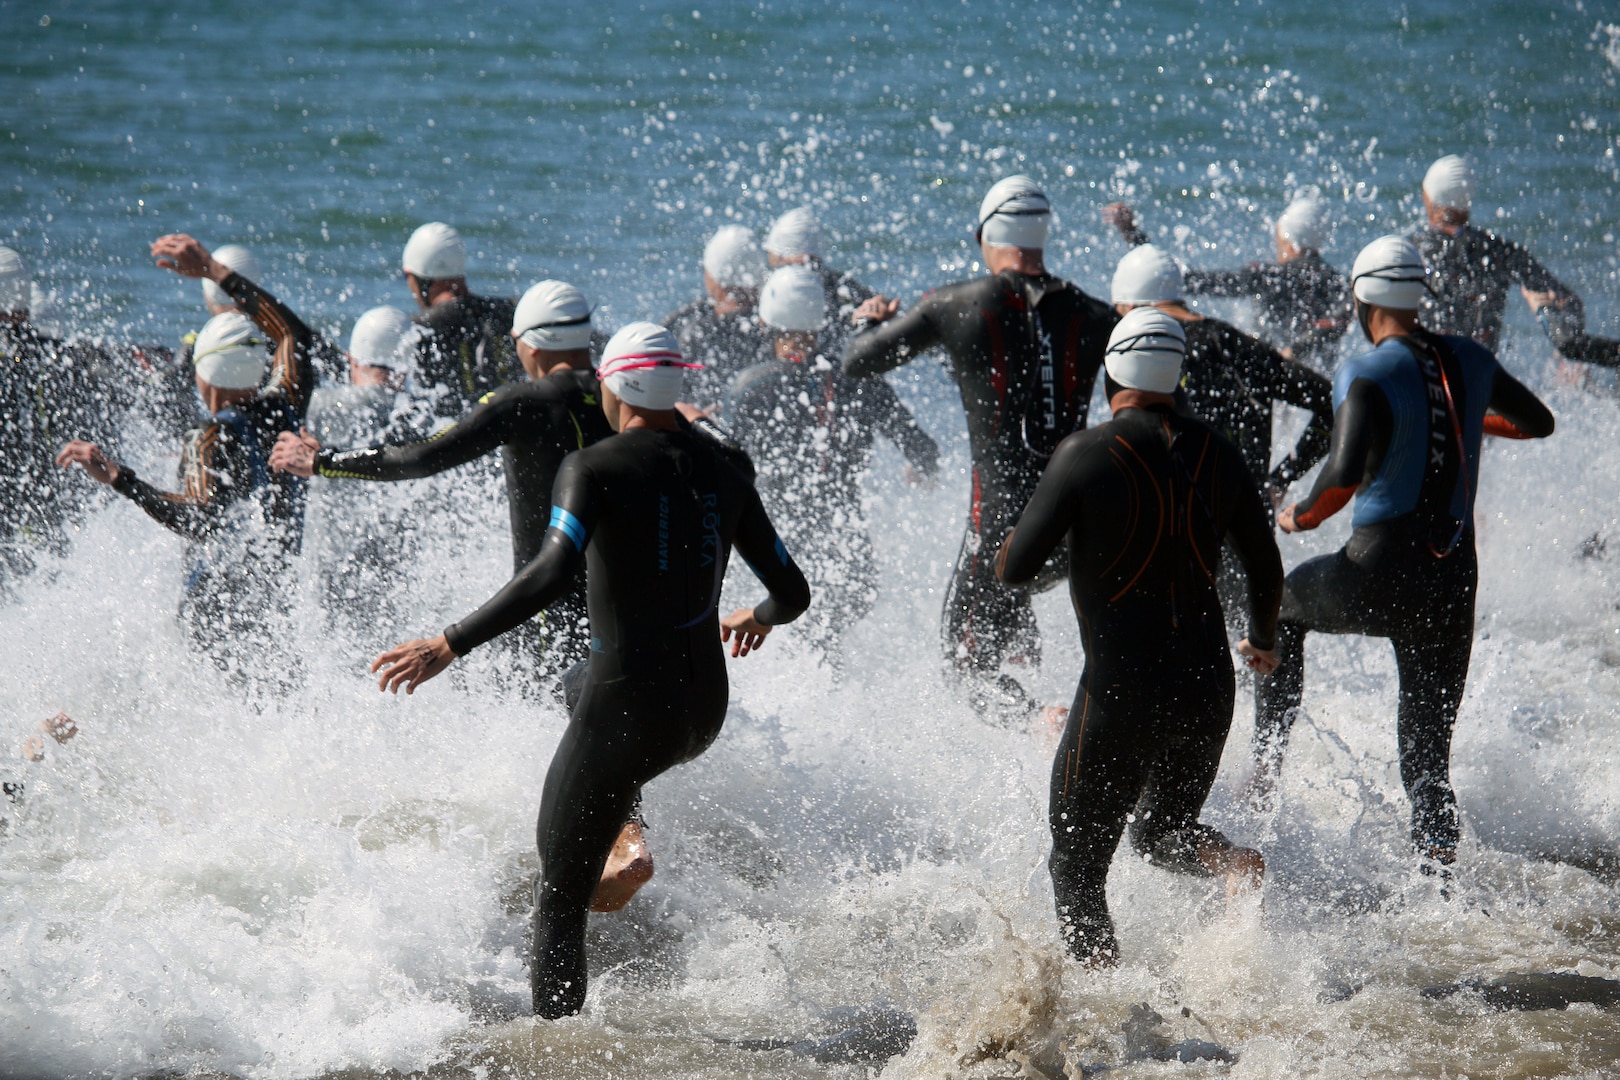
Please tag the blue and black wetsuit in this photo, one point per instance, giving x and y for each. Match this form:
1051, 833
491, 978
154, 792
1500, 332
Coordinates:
654, 516
1145, 503
1407, 429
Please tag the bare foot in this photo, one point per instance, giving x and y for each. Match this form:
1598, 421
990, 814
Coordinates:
1244, 867
629, 867
59, 727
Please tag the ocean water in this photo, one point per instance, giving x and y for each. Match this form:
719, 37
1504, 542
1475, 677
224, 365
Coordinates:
209, 881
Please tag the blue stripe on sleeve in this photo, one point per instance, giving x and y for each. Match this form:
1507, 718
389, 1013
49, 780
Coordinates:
569, 526
781, 551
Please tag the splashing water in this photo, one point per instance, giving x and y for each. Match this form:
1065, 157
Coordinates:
213, 881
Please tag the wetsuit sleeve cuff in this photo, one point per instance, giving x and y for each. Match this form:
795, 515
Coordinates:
125, 484
1263, 642
453, 638
323, 461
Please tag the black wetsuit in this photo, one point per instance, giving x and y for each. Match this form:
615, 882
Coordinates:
656, 514
1024, 351
1470, 274
1409, 571
243, 523
535, 424
809, 429
1302, 305
468, 351
1145, 502
726, 346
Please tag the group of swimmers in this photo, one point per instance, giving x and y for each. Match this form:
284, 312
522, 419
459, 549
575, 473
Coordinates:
635, 464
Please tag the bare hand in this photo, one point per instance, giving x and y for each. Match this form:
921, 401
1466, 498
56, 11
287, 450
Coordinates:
877, 309
95, 463
295, 453
187, 257
1539, 300
1285, 520
1286, 352
1264, 661
749, 630
412, 664
1120, 216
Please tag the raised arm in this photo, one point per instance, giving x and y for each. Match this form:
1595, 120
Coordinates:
1361, 432
293, 370
883, 347
1046, 520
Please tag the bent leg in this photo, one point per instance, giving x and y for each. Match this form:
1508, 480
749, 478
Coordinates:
1166, 828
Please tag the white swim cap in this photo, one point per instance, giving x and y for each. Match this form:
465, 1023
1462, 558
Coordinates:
385, 337
643, 367
1450, 183
733, 258
1014, 213
795, 233
14, 282
793, 299
1304, 224
1389, 272
241, 261
435, 252
229, 353
1145, 351
1147, 275
553, 315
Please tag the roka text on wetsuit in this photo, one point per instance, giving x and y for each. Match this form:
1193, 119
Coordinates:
655, 515
809, 429
1406, 441
1024, 351
466, 351
1145, 502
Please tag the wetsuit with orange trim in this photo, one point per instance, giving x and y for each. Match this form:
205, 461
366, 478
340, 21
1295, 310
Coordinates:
654, 515
1145, 503
1407, 430
1024, 351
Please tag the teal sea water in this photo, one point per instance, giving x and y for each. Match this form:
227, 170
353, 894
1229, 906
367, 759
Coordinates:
207, 883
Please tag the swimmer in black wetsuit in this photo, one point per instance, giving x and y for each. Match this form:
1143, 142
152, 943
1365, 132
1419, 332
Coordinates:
466, 352
1302, 304
655, 512
1024, 348
722, 330
535, 424
1406, 441
1145, 501
810, 430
